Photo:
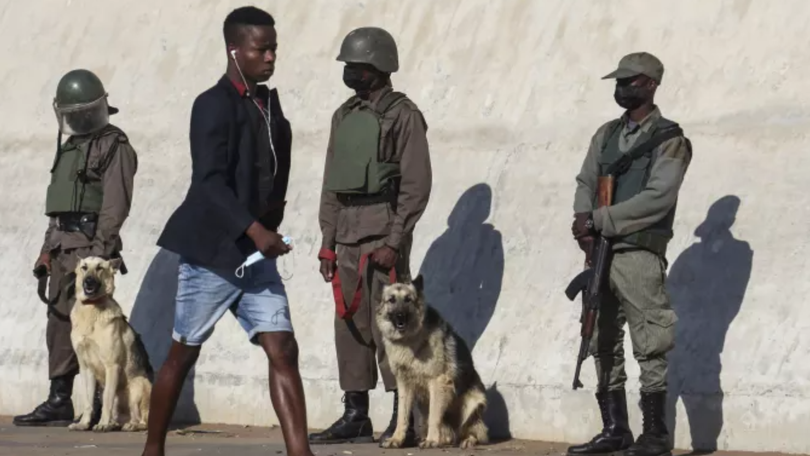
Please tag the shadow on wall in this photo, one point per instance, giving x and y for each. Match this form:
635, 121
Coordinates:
463, 271
707, 283
153, 317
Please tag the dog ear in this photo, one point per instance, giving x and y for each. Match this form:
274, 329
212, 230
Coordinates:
115, 263
418, 283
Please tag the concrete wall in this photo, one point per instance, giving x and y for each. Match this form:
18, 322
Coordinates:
512, 93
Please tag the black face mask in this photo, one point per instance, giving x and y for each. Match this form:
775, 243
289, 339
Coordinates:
630, 97
353, 78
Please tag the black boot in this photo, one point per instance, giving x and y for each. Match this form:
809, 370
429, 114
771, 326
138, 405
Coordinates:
616, 435
353, 427
654, 441
57, 410
410, 434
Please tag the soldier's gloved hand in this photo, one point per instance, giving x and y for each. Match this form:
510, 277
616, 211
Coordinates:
385, 257
327, 269
44, 260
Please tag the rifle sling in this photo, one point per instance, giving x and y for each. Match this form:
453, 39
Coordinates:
621, 165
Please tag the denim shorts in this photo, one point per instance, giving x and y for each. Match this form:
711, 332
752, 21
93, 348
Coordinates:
258, 300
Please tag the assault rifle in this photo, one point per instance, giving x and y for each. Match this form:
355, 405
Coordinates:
592, 281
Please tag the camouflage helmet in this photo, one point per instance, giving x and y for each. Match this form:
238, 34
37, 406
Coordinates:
371, 45
80, 103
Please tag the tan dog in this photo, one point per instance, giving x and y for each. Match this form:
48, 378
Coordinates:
434, 370
108, 350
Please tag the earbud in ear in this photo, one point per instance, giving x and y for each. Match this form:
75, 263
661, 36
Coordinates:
233, 53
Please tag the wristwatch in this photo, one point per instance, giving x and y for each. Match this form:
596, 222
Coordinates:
589, 222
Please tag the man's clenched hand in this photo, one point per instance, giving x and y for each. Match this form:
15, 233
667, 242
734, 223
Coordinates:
385, 257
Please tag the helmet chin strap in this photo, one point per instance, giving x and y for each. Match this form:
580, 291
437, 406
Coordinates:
58, 148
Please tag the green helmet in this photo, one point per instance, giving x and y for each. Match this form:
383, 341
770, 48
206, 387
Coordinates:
371, 45
80, 103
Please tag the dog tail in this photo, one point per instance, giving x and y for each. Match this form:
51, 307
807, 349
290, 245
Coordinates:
472, 416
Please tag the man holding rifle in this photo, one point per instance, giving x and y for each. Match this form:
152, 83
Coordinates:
624, 207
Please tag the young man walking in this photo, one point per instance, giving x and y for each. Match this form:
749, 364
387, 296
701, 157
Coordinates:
240, 150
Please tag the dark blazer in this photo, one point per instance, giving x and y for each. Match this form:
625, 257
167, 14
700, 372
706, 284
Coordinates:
208, 228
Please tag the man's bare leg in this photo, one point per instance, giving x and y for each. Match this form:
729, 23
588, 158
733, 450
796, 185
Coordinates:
287, 390
165, 394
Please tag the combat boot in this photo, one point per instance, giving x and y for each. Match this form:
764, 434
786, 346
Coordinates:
353, 427
616, 435
56, 411
410, 434
654, 440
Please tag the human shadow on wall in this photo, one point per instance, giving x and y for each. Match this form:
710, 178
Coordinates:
153, 318
707, 284
463, 271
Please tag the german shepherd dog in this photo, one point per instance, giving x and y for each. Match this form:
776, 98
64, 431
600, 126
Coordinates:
109, 351
434, 370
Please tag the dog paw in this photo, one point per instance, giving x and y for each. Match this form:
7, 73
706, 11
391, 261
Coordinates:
133, 427
429, 443
392, 443
79, 426
106, 427
468, 443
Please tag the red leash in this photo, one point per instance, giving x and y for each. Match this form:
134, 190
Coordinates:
343, 311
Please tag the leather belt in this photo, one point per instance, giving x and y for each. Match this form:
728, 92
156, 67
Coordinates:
74, 221
348, 199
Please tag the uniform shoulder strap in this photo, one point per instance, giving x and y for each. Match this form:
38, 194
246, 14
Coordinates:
120, 138
611, 128
111, 129
345, 107
663, 133
388, 101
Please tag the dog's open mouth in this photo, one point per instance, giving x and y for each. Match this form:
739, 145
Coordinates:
91, 286
400, 320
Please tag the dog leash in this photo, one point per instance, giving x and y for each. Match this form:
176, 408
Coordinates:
42, 286
344, 312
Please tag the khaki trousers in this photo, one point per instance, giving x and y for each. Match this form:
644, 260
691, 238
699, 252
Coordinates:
61, 294
357, 340
639, 298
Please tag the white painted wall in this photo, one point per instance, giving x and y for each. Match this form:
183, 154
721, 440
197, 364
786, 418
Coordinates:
512, 93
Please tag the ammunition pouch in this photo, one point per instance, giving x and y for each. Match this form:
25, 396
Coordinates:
73, 222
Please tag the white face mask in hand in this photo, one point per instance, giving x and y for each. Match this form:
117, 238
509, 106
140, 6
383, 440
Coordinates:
255, 258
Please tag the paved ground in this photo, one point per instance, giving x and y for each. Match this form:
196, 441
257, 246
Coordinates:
210, 439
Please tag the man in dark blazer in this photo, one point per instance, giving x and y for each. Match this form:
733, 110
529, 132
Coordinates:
240, 152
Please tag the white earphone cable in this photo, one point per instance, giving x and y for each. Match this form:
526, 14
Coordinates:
266, 115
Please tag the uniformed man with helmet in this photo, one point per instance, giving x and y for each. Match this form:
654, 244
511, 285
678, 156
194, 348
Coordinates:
376, 185
87, 202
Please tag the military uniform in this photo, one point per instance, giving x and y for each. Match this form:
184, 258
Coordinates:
87, 202
639, 224
376, 185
